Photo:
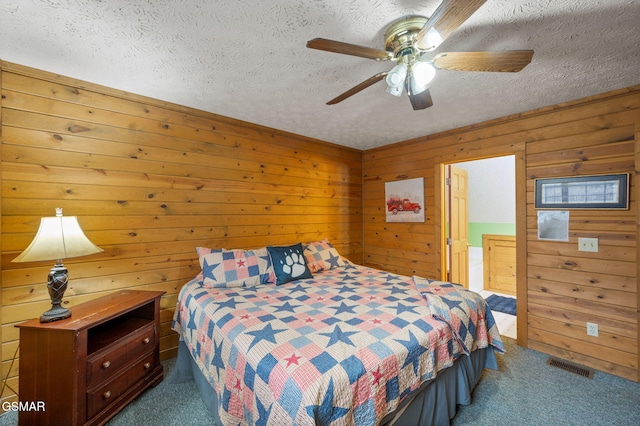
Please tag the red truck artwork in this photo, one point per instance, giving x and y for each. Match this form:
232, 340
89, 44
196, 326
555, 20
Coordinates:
395, 205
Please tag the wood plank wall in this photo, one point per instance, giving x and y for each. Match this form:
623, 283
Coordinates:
149, 182
559, 288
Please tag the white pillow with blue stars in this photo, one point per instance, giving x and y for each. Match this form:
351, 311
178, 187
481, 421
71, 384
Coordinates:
228, 268
322, 256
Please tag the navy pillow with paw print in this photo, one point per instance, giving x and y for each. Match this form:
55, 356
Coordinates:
289, 263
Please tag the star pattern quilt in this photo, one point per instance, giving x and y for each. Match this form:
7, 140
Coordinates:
343, 348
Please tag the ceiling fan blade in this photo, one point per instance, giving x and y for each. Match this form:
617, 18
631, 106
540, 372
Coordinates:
349, 49
445, 20
509, 61
420, 100
368, 82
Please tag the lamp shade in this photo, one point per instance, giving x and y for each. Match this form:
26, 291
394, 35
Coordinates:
58, 237
421, 75
431, 40
396, 77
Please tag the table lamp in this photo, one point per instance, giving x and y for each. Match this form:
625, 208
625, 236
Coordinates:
58, 238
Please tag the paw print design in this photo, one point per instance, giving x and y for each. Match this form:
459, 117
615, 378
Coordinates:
293, 264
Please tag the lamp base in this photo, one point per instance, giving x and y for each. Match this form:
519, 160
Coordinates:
55, 313
56, 284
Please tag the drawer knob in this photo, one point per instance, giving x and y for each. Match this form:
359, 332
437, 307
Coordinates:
107, 395
146, 340
106, 364
147, 365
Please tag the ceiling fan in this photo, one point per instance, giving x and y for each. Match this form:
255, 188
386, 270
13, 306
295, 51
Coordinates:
408, 38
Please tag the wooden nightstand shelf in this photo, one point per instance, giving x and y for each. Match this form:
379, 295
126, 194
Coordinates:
88, 367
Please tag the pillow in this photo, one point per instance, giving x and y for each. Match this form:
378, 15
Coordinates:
201, 252
289, 263
321, 255
229, 268
267, 274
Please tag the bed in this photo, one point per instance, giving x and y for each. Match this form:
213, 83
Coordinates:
331, 343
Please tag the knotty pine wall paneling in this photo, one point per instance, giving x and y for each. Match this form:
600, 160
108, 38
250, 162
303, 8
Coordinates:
560, 289
149, 182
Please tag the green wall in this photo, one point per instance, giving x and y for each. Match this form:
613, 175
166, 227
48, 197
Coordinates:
476, 230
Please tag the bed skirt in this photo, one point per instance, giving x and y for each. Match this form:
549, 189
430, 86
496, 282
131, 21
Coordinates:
433, 404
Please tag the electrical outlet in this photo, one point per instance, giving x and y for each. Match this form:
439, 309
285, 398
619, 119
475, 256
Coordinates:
592, 329
588, 244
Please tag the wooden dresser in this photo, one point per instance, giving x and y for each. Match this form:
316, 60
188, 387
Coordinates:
86, 368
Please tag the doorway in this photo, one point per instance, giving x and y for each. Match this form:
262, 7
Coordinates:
480, 209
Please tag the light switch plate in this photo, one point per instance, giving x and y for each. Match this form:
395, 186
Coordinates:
588, 244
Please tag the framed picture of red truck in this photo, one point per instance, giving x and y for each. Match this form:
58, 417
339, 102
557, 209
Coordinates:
405, 200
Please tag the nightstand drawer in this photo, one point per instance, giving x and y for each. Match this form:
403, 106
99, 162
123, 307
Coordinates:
104, 395
101, 366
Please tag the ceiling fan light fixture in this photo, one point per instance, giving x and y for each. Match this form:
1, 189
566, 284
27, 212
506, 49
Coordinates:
397, 75
395, 79
431, 40
421, 75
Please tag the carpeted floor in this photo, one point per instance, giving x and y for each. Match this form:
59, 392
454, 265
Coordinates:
526, 391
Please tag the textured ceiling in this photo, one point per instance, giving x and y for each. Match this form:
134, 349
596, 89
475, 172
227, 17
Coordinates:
247, 59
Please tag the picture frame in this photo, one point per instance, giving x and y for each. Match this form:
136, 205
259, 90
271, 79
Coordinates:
404, 200
553, 225
609, 192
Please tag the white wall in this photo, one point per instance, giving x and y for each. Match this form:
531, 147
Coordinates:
492, 183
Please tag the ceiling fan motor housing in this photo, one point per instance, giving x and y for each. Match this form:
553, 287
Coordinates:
399, 37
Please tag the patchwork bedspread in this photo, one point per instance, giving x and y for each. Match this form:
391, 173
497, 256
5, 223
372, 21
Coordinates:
343, 348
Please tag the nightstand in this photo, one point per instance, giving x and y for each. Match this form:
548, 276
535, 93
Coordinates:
84, 369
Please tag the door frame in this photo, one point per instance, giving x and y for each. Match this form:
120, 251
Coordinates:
521, 226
